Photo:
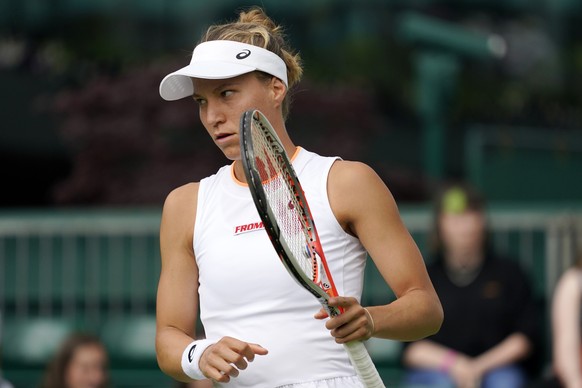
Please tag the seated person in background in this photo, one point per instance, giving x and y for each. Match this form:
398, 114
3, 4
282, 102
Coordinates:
490, 317
3, 383
81, 362
566, 328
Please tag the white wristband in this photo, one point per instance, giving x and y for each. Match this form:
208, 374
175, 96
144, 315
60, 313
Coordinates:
191, 358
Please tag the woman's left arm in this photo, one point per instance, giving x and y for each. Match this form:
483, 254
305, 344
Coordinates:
511, 350
365, 208
566, 340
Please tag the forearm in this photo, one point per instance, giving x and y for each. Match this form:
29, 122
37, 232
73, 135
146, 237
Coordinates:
514, 348
414, 316
567, 363
170, 344
570, 377
426, 354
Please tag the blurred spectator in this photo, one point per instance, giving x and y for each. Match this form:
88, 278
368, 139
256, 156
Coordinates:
81, 362
566, 328
490, 316
3, 383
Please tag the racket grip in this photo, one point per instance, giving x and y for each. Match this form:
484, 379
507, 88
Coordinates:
362, 363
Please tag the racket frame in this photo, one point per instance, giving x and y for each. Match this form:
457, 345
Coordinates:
267, 216
356, 350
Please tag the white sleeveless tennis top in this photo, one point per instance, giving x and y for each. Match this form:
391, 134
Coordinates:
246, 293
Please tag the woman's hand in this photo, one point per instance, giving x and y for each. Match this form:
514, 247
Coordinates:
466, 373
227, 357
354, 324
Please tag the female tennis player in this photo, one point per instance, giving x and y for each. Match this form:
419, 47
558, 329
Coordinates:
262, 329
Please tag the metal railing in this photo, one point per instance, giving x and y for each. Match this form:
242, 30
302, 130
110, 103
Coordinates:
93, 265
85, 266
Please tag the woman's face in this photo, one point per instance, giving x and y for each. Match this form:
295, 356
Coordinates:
88, 367
462, 234
222, 102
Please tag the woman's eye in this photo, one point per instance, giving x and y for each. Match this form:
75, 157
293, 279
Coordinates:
227, 93
200, 101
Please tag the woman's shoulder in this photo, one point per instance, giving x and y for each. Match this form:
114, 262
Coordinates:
189, 191
181, 201
359, 182
352, 172
568, 289
182, 193
178, 215
571, 278
344, 171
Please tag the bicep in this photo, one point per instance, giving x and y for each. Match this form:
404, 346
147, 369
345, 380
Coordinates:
177, 300
365, 207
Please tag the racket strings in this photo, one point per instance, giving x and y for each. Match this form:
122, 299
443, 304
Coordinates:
285, 204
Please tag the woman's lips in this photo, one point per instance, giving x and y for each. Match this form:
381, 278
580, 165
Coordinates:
223, 137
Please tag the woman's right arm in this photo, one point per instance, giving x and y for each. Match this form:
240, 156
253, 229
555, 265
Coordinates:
177, 298
566, 329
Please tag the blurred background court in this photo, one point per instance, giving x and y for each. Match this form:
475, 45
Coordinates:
425, 91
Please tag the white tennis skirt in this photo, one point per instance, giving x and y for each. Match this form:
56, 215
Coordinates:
338, 382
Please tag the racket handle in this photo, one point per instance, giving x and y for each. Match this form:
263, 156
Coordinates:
363, 364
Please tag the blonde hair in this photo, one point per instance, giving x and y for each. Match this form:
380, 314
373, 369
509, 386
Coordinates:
255, 27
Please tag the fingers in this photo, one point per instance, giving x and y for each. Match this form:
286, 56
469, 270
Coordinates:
354, 324
321, 314
465, 373
227, 358
343, 301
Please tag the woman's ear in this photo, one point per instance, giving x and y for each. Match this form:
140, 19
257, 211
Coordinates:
278, 90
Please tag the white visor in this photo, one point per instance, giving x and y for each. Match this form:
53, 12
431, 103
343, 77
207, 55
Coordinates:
221, 59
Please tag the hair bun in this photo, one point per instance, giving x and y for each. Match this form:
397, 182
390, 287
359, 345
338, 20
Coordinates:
256, 15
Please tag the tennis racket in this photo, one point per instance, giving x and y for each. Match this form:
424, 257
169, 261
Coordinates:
282, 206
